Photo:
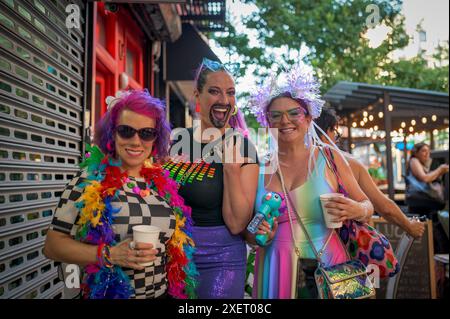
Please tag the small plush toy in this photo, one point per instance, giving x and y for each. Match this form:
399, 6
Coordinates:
271, 202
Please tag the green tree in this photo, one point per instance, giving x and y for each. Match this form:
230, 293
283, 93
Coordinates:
333, 31
420, 72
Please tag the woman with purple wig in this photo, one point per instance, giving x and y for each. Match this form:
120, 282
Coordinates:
220, 192
120, 187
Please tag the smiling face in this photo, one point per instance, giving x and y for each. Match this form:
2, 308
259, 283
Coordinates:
292, 128
133, 151
217, 99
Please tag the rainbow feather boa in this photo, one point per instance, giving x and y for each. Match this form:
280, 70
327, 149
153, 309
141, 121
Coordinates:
96, 218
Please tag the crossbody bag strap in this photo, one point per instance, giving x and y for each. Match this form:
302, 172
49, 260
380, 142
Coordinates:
318, 254
332, 164
341, 189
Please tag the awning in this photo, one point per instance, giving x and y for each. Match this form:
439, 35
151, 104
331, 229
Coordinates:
353, 99
186, 54
160, 21
182, 60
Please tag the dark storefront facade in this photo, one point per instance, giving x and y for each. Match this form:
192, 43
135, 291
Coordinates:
41, 99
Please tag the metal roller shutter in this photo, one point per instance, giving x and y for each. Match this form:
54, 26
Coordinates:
41, 99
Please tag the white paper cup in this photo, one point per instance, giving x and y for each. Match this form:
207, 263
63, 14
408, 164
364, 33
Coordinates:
147, 234
324, 198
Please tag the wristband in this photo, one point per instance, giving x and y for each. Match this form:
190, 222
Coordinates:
107, 256
100, 254
104, 256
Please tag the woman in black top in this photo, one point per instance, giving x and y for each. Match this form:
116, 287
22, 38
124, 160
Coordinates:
221, 193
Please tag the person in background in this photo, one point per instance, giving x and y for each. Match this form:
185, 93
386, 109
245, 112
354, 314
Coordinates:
328, 122
419, 166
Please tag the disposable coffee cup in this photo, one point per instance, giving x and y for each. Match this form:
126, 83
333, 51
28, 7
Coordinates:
324, 199
147, 234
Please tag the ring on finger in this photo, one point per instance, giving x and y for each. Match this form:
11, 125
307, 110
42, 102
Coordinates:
132, 245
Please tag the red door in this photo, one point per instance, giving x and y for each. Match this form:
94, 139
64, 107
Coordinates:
119, 56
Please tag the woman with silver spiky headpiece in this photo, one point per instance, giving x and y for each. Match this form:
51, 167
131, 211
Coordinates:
297, 168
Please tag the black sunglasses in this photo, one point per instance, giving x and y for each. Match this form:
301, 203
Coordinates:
147, 134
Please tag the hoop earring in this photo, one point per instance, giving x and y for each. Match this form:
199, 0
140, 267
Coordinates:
235, 110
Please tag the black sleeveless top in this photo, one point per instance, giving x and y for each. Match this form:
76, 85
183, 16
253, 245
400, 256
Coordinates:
202, 189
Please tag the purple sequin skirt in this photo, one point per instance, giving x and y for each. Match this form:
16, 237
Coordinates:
220, 259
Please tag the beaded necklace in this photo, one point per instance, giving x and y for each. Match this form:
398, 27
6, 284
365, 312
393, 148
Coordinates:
136, 189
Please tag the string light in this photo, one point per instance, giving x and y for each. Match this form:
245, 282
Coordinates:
411, 129
390, 107
365, 120
383, 135
365, 113
435, 132
403, 125
354, 124
434, 118
424, 120
362, 123
413, 122
371, 117
352, 146
380, 115
375, 127
400, 130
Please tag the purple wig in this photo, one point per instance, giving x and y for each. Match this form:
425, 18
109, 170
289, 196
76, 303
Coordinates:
141, 102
